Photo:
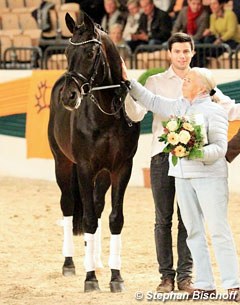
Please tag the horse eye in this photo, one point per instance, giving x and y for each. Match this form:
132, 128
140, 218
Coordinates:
90, 54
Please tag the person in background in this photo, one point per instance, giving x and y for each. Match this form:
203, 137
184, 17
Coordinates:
113, 14
176, 7
201, 184
169, 84
233, 147
116, 34
163, 5
236, 9
193, 20
154, 26
223, 26
133, 17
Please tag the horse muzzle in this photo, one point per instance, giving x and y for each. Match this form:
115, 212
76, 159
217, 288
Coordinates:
71, 100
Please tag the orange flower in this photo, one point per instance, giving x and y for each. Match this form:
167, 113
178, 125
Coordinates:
173, 138
180, 151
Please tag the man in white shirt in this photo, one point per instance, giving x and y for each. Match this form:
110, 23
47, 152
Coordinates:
169, 84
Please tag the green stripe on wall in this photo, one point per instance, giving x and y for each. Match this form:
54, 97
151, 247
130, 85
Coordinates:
13, 125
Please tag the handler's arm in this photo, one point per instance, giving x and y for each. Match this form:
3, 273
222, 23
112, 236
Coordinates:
163, 106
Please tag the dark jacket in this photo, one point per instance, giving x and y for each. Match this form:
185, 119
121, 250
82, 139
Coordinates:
233, 147
161, 25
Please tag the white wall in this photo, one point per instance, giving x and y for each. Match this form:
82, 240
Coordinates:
13, 160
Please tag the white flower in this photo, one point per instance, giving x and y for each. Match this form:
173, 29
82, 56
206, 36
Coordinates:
184, 136
188, 126
172, 125
173, 138
180, 151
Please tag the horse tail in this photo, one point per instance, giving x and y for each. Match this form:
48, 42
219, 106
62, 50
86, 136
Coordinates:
78, 206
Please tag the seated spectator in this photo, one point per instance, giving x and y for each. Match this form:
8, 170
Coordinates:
236, 9
113, 14
154, 26
163, 4
176, 7
223, 25
116, 34
132, 22
192, 20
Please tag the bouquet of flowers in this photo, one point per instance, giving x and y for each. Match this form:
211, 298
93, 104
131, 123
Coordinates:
184, 138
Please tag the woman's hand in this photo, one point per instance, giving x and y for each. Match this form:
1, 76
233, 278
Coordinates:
124, 71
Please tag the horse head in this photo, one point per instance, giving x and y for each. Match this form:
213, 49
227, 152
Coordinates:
87, 61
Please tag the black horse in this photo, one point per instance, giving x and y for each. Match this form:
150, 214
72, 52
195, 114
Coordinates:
93, 144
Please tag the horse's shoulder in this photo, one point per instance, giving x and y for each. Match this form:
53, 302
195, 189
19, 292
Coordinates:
57, 86
58, 83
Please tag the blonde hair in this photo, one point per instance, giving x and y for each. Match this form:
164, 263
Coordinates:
136, 2
115, 1
116, 26
207, 79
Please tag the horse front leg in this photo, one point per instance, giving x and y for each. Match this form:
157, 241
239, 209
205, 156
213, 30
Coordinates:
64, 176
120, 180
102, 184
90, 224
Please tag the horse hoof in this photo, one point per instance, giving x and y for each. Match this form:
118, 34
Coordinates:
68, 271
90, 286
116, 286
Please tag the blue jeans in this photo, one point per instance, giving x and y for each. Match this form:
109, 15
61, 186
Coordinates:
163, 189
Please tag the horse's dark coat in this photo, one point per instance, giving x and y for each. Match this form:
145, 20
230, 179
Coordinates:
91, 149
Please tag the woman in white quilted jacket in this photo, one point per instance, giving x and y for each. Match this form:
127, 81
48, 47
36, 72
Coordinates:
201, 184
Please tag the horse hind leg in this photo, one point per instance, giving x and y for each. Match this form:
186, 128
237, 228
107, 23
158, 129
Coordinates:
98, 246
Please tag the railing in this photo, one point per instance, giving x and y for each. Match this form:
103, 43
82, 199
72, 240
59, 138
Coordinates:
213, 56
144, 57
22, 58
54, 58
236, 57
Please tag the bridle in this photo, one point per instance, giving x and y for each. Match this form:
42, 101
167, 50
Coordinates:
87, 88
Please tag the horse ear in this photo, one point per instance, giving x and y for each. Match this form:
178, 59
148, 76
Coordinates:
89, 24
70, 22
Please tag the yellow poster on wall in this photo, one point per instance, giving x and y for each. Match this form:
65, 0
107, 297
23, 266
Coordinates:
38, 113
14, 96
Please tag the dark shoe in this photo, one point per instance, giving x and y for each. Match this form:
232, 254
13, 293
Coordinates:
166, 286
234, 294
202, 294
186, 285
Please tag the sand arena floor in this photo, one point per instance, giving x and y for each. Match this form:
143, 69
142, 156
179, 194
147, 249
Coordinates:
31, 242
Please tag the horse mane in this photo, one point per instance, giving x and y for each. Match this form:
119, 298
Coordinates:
112, 54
